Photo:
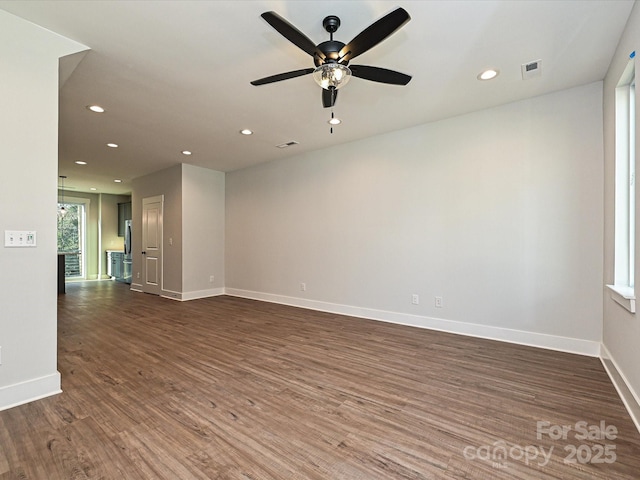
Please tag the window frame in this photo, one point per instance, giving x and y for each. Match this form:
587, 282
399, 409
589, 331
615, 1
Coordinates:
623, 288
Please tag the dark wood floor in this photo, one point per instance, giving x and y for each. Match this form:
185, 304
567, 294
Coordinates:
227, 388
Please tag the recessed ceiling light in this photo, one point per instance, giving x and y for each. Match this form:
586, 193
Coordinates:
246, 131
93, 189
186, 152
488, 74
334, 121
117, 180
112, 145
95, 108
80, 162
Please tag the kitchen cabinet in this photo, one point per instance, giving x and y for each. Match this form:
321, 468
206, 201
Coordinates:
115, 265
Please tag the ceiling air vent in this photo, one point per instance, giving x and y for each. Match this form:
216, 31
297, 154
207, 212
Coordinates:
288, 144
531, 69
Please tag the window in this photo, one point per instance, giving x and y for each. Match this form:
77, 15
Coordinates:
625, 190
71, 238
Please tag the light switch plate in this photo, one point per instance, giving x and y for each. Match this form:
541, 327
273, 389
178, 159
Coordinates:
19, 238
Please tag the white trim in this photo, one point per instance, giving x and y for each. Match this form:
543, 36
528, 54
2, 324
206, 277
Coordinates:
540, 340
25, 392
170, 294
212, 292
625, 296
154, 199
628, 395
101, 255
186, 296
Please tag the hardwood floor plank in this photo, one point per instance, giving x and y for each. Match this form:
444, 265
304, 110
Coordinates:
229, 388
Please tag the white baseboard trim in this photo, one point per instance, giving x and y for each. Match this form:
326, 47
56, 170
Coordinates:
186, 296
170, 294
629, 396
25, 392
532, 339
212, 292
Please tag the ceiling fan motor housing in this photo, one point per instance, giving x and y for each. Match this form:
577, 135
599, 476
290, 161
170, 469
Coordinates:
331, 49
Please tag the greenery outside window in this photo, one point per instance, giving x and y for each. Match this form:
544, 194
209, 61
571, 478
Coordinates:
71, 234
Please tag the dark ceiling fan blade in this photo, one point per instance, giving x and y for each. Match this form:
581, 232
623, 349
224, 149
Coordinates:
329, 97
282, 76
377, 74
374, 34
291, 33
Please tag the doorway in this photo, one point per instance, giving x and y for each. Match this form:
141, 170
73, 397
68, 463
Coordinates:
152, 244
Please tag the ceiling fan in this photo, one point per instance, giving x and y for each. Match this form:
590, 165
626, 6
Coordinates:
332, 57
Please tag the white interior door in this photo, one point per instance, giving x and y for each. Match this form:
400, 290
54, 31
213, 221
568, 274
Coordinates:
152, 244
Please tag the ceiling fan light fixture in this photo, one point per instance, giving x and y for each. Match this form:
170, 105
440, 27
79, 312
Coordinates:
333, 75
62, 211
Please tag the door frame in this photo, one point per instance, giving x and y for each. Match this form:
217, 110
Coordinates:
147, 288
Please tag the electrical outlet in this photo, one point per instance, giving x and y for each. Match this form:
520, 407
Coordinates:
438, 302
415, 299
138, 276
303, 287
211, 279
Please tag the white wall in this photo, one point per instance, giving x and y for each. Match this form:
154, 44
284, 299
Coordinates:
621, 328
29, 152
499, 212
202, 231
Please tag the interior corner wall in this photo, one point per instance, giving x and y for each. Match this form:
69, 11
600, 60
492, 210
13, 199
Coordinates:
621, 336
203, 224
167, 182
29, 154
497, 212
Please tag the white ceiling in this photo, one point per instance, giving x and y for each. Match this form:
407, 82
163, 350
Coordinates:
175, 75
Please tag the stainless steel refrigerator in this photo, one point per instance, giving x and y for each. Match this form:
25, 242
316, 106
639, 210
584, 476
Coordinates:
127, 252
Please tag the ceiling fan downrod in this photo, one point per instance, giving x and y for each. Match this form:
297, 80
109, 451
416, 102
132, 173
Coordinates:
331, 25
